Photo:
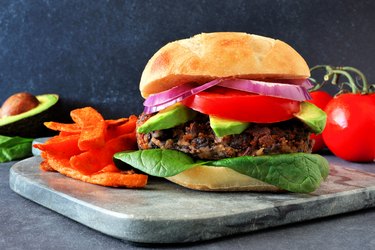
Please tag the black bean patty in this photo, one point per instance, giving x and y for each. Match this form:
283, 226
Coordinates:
198, 139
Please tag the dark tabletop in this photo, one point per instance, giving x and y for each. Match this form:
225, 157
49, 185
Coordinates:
94, 53
27, 225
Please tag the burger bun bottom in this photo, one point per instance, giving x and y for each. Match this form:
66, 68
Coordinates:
208, 178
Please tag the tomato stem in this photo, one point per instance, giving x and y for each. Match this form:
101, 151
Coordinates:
351, 83
333, 74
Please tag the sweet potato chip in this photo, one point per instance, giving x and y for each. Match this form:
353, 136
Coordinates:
92, 127
115, 123
121, 143
65, 146
84, 150
46, 167
124, 128
86, 117
113, 179
86, 163
92, 137
63, 127
109, 168
63, 133
94, 160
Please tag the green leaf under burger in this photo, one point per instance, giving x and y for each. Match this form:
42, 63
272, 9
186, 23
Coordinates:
298, 172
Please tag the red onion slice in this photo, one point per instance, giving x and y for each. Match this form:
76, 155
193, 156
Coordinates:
307, 84
281, 90
297, 91
304, 83
179, 92
156, 108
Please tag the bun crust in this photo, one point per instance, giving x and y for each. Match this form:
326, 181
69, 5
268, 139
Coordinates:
220, 179
207, 56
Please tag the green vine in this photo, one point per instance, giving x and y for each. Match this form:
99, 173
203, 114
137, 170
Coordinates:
357, 85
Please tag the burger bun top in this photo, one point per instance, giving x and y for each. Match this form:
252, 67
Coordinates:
208, 56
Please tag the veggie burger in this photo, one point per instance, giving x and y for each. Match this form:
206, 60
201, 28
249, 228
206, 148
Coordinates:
226, 111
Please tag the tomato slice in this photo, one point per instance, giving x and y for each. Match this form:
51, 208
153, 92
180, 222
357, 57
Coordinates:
242, 106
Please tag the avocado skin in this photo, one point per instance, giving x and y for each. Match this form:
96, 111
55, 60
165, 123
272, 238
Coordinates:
32, 126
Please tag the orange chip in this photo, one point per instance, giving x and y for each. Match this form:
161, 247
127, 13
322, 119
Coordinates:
92, 137
115, 123
93, 161
122, 143
86, 117
46, 167
109, 168
63, 127
65, 146
125, 128
121, 179
84, 150
86, 163
93, 128
63, 133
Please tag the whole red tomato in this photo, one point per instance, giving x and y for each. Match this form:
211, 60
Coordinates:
320, 99
350, 129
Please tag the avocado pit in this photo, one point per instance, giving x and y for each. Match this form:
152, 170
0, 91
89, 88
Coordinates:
18, 104
29, 121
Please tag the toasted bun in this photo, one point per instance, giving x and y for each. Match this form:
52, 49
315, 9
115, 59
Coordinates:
224, 54
219, 179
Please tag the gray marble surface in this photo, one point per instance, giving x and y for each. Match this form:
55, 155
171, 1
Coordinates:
27, 225
167, 213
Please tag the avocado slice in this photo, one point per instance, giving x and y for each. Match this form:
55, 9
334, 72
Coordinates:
30, 123
223, 127
312, 116
170, 117
178, 114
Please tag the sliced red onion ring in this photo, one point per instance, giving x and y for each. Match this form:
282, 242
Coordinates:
307, 84
282, 90
179, 92
304, 83
156, 108
169, 97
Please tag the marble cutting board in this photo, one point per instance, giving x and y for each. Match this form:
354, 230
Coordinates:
166, 213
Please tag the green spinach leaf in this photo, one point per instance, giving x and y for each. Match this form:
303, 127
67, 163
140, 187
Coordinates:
297, 172
13, 148
157, 162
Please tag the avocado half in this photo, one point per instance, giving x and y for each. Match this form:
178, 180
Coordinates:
30, 123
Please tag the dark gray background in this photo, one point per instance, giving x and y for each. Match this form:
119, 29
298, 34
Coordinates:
93, 52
